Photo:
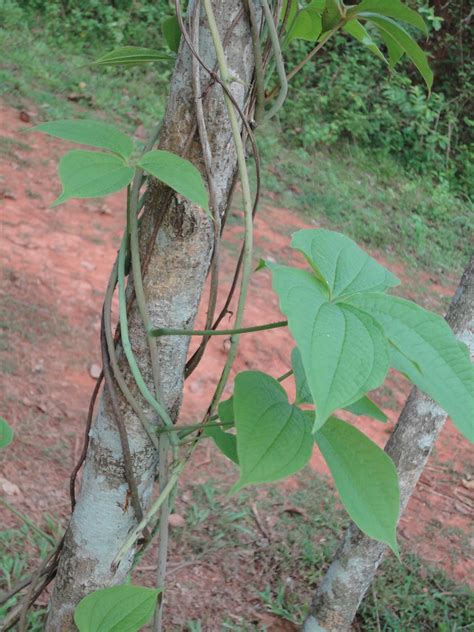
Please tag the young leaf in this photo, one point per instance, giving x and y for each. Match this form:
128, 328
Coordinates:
273, 438
92, 133
226, 442
426, 350
171, 32
365, 407
303, 393
178, 173
6, 433
390, 9
365, 477
359, 32
405, 42
118, 609
340, 264
307, 23
131, 56
86, 174
344, 353
332, 14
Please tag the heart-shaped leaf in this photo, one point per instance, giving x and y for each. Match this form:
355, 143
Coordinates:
425, 349
6, 433
118, 609
226, 410
362, 407
307, 23
225, 441
178, 173
92, 133
340, 264
86, 174
365, 477
344, 352
273, 437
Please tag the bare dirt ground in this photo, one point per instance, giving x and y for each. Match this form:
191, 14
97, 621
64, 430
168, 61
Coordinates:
55, 264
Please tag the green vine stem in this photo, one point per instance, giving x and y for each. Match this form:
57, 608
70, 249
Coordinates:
280, 65
257, 53
127, 347
117, 373
248, 239
155, 507
165, 331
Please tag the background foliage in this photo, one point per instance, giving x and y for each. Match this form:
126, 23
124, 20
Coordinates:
365, 148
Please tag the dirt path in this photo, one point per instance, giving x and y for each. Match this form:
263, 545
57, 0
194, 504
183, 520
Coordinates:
55, 263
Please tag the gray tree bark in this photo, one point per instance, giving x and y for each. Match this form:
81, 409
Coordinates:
356, 561
173, 286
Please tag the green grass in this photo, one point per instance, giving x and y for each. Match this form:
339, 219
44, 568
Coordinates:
302, 531
60, 83
300, 545
371, 199
18, 550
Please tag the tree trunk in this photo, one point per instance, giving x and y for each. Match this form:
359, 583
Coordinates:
173, 286
339, 595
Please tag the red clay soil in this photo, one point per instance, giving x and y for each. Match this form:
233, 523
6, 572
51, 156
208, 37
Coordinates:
55, 264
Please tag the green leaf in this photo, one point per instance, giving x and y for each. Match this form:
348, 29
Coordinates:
178, 173
226, 442
365, 407
362, 407
273, 437
86, 174
344, 352
131, 56
332, 14
118, 609
426, 350
225, 410
92, 133
307, 24
390, 9
405, 42
171, 32
395, 52
359, 32
6, 433
340, 264
303, 393
365, 477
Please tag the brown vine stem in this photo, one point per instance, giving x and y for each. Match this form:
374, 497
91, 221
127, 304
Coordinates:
207, 158
127, 457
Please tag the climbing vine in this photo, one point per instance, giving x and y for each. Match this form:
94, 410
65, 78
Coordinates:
347, 327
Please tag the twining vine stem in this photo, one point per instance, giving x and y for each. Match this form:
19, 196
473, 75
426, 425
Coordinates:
165, 432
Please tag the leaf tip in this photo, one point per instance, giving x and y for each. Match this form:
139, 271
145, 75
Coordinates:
62, 198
